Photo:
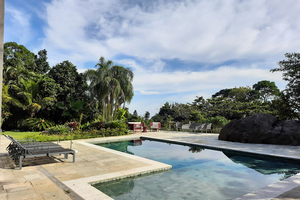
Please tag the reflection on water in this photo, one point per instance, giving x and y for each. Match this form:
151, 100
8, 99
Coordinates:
197, 173
196, 149
266, 165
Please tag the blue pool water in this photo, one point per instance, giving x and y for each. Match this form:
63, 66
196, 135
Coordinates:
197, 173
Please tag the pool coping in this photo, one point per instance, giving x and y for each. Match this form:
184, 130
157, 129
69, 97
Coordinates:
84, 187
268, 192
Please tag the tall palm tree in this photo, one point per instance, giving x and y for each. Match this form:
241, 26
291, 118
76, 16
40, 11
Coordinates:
110, 85
27, 93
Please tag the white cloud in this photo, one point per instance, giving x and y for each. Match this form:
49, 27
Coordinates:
258, 32
206, 31
18, 26
147, 81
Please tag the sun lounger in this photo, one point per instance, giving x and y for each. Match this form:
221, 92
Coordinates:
17, 151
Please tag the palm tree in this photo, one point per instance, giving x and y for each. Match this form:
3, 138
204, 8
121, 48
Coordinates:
110, 85
28, 95
13, 74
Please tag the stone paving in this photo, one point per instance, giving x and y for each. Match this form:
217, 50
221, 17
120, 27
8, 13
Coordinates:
57, 178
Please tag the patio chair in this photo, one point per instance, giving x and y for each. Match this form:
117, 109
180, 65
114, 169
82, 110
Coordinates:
208, 127
194, 127
178, 125
155, 125
201, 127
185, 127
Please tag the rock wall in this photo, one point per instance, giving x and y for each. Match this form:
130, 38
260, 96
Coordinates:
262, 128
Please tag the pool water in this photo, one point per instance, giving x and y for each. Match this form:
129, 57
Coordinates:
197, 173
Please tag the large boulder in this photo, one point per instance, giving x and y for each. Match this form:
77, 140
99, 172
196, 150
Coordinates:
262, 128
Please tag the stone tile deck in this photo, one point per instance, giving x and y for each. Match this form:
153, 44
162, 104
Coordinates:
56, 178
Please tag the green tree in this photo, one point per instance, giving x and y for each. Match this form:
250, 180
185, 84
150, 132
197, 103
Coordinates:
73, 109
13, 74
110, 86
224, 93
265, 90
28, 94
71, 83
42, 65
135, 114
240, 94
291, 73
15, 54
147, 115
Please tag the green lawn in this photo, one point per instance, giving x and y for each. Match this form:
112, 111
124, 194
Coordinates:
21, 135
36, 136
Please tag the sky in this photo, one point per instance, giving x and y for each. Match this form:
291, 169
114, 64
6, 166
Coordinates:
177, 49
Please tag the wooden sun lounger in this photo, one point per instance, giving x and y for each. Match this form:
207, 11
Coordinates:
17, 151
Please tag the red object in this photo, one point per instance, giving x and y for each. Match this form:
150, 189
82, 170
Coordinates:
155, 125
144, 128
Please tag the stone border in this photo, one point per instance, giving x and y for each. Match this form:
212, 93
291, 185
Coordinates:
273, 190
83, 186
266, 193
213, 147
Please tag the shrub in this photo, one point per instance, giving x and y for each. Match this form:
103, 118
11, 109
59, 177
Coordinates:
58, 130
86, 126
97, 125
219, 121
38, 124
116, 124
72, 125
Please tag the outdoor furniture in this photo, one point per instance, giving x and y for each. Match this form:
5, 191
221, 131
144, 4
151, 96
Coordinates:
208, 127
201, 127
185, 127
17, 151
194, 126
135, 126
178, 125
144, 128
155, 125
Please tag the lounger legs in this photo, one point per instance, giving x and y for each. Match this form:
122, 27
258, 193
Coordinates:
20, 162
73, 157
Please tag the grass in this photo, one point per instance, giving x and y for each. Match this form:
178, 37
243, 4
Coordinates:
36, 136
21, 135
49, 138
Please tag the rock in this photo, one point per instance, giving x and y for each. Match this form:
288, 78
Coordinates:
262, 128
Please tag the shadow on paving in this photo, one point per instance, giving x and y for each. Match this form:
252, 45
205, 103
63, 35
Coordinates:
7, 163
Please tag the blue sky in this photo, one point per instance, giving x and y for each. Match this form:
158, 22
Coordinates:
177, 49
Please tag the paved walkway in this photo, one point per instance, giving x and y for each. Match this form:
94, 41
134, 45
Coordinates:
56, 178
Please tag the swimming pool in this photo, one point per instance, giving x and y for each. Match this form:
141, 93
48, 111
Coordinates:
197, 173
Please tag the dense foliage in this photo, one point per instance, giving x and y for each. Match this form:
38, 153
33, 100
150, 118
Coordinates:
62, 101
36, 96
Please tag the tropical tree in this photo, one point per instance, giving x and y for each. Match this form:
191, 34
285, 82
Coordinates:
28, 95
291, 73
224, 93
71, 83
13, 74
73, 109
42, 65
110, 86
147, 115
15, 54
265, 90
240, 94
